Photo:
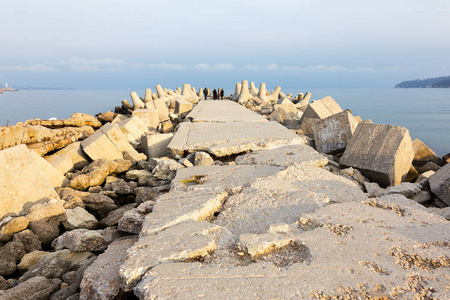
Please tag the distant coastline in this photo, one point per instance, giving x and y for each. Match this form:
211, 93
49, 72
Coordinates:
437, 82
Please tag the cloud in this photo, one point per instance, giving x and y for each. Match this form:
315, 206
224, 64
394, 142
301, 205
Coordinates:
167, 66
30, 68
272, 67
214, 67
364, 69
251, 67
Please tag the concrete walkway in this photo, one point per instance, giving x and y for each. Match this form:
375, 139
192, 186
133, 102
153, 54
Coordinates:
279, 226
223, 128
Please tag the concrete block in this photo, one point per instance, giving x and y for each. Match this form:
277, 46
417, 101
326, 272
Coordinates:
119, 118
98, 145
119, 140
320, 109
182, 106
21, 181
440, 184
71, 157
423, 154
54, 176
334, 133
156, 145
150, 117
383, 153
163, 112
133, 128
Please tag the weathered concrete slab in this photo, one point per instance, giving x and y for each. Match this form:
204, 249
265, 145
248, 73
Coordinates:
334, 132
223, 139
155, 145
182, 106
223, 111
98, 146
440, 183
150, 117
354, 248
181, 242
181, 206
21, 181
383, 153
219, 178
284, 156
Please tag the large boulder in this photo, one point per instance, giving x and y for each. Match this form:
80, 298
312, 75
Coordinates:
155, 145
383, 153
150, 117
423, 154
36, 288
21, 181
334, 132
440, 184
92, 175
71, 157
316, 110
46, 218
99, 146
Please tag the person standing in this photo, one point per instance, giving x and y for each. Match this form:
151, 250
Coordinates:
221, 94
205, 92
214, 94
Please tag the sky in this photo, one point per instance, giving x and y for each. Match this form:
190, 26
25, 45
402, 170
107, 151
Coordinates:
293, 43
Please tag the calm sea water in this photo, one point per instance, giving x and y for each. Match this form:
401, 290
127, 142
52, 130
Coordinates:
425, 112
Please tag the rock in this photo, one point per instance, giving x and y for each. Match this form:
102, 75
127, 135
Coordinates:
383, 153
440, 183
29, 240
334, 132
45, 219
21, 181
101, 279
133, 128
30, 259
144, 194
412, 174
167, 127
6, 284
64, 136
137, 174
9, 255
99, 203
202, 159
132, 220
75, 120
166, 168
36, 288
194, 239
422, 197
106, 117
284, 156
119, 140
424, 176
423, 154
47, 267
12, 227
156, 145
74, 257
79, 218
99, 146
113, 217
81, 240
429, 166
122, 165
71, 157
120, 187
372, 189
92, 175
149, 117
406, 189
53, 175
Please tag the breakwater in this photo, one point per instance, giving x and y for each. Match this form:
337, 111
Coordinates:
258, 195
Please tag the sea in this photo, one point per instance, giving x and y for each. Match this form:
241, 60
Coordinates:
425, 112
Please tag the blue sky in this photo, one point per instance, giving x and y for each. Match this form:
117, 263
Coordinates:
296, 44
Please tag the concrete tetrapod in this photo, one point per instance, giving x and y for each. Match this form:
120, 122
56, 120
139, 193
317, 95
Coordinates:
262, 93
237, 91
244, 95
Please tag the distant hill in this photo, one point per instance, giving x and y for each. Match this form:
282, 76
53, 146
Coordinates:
438, 82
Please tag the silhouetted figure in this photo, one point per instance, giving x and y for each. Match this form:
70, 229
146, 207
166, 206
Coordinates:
205, 92
221, 94
214, 94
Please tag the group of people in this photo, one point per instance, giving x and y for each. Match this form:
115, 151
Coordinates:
216, 93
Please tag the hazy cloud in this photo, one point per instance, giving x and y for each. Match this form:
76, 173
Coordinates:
30, 68
212, 67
